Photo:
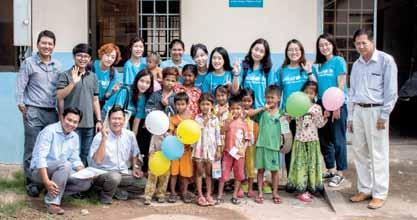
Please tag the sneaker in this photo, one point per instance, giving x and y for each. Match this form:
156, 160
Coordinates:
121, 195
328, 175
336, 181
106, 200
32, 190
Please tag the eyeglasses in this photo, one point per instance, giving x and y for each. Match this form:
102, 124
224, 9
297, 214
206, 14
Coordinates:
82, 56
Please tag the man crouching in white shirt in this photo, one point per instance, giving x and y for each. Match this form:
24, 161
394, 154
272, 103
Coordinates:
114, 150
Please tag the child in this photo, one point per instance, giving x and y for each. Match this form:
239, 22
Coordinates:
183, 166
305, 170
136, 63
164, 99
268, 143
156, 183
189, 74
248, 96
153, 59
236, 141
220, 72
207, 147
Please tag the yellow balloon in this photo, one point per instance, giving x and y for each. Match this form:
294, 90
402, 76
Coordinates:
188, 132
159, 164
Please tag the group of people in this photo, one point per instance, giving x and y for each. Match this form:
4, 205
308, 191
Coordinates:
92, 115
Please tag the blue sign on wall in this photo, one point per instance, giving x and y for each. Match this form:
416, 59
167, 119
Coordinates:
246, 3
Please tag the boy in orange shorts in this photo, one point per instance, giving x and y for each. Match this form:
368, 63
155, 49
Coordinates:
183, 166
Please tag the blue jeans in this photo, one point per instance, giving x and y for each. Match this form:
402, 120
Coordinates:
333, 141
86, 136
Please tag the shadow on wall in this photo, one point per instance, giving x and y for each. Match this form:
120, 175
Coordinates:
11, 125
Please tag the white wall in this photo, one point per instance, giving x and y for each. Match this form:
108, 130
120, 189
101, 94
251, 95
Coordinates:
68, 19
213, 23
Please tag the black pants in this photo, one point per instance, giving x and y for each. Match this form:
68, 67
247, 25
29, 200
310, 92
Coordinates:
293, 127
144, 139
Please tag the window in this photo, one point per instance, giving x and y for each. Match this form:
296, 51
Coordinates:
159, 23
342, 18
8, 61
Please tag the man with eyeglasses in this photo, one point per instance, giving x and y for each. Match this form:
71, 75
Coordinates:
373, 94
35, 97
78, 87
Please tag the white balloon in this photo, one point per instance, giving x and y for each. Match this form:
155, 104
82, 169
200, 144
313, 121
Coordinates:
157, 122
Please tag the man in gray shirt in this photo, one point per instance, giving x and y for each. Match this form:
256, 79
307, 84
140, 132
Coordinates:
78, 87
35, 97
372, 96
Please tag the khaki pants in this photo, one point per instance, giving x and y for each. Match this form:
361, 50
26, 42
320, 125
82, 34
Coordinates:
371, 152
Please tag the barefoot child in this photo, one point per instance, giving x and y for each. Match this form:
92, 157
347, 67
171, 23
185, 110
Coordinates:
207, 148
305, 170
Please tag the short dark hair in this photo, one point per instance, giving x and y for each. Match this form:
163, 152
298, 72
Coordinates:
73, 110
247, 92
195, 47
170, 71
192, 68
175, 41
310, 83
115, 109
222, 89
236, 99
82, 48
206, 97
363, 31
46, 33
273, 89
181, 96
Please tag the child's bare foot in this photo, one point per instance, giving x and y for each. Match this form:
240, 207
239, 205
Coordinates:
251, 194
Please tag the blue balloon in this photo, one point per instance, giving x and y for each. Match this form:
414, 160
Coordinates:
172, 148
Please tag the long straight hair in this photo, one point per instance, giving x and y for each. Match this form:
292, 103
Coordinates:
320, 58
266, 62
287, 60
225, 55
135, 90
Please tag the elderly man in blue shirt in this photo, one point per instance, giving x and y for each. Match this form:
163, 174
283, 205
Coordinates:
35, 97
55, 157
114, 150
373, 94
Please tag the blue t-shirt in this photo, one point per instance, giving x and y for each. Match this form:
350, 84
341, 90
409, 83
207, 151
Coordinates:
130, 70
328, 72
290, 79
211, 81
119, 99
257, 81
103, 78
140, 107
199, 80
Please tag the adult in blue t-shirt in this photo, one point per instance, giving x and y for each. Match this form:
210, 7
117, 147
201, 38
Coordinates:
256, 69
177, 49
331, 71
199, 53
136, 62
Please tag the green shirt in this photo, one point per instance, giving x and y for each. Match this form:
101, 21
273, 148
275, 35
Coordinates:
269, 135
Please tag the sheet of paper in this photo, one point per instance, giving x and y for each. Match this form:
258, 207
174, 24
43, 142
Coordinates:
87, 173
234, 152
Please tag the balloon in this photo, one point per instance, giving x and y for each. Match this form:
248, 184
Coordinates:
333, 98
172, 148
157, 122
188, 132
298, 104
159, 164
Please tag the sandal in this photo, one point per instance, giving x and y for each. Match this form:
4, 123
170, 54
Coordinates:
172, 198
187, 198
201, 201
251, 194
210, 200
277, 200
304, 197
219, 200
259, 199
235, 201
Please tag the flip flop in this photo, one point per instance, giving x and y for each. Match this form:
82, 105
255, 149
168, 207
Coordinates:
259, 199
277, 200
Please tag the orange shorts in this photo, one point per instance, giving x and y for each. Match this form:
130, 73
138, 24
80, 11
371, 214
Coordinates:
183, 166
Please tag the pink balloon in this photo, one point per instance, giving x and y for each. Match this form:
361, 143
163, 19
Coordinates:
333, 98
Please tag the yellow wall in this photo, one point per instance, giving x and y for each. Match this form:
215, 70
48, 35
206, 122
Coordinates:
68, 19
213, 23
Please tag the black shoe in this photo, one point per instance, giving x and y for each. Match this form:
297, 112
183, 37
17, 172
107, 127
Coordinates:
121, 195
32, 190
79, 195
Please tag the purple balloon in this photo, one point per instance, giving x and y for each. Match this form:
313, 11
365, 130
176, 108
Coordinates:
333, 98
